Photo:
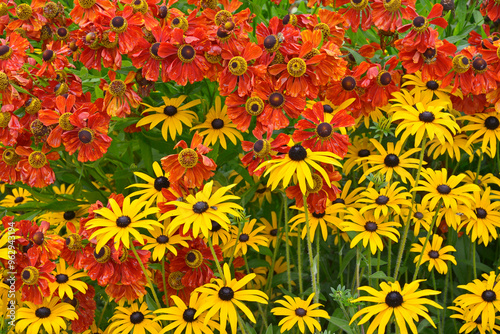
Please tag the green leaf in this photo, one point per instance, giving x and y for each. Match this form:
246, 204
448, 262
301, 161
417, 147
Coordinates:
346, 259
265, 251
359, 58
381, 275
341, 323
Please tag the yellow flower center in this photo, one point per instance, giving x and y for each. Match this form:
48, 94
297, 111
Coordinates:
296, 67
50, 10
325, 29
461, 64
33, 105
117, 88
3, 9
221, 17
318, 184
193, 258
106, 42
4, 80
86, 4
10, 157
238, 65
104, 254
4, 119
392, 5
188, 158
359, 5
261, 148
30, 275
74, 242
212, 59
37, 159
24, 11
175, 280
140, 6
5, 52
254, 106
180, 22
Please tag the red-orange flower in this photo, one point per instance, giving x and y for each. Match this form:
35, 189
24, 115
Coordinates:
355, 12
54, 58
9, 125
191, 165
100, 266
58, 117
89, 10
33, 278
277, 37
119, 95
330, 24
13, 52
29, 18
380, 84
85, 307
35, 167
262, 150
388, 14
490, 8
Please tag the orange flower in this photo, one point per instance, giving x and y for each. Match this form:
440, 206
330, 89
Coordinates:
35, 167
89, 10
119, 95
59, 117
125, 28
388, 14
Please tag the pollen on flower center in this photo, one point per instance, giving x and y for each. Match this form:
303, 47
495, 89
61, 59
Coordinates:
194, 258
23, 11
489, 296
297, 153
461, 64
238, 65
324, 130
43, 312
188, 158
391, 160
261, 148
4, 80
200, 207
186, 53
359, 5
86, 135
426, 117
33, 105
74, 242
348, 83
30, 275
394, 299
371, 226
117, 88
420, 24
217, 124
491, 123
444, 189
180, 22
104, 254
226, 293
392, 5
254, 106
4, 119
37, 159
123, 221
433, 254
136, 317
10, 157
296, 67
161, 182
64, 122
222, 16
86, 4
325, 29
62, 278
318, 184
119, 24
174, 280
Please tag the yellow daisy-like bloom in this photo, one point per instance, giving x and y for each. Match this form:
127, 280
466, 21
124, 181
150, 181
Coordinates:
64, 190
485, 218
136, 318
482, 181
19, 196
163, 241
300, 312
51, 314
470, 325
249, 237
436, 148
361, 148
218, 235
183, 318
429, 87
406, 305
121, 223
67, 278
298, 162
198, 211
272, 231
486, 128
438, 186
151, 191
173, 114
322, 220
386, 198
434, 253
422, 119
2, 187
421, 217
370, 229
223, 298
391, 161
93, 330
406, 98
59, 219
483, 300
218, 126
262, 193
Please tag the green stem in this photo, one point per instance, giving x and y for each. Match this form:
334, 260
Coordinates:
318, 284
216, 260
241, 323
378, 265
151, 286
299, 260
474, 260
253, 286
102, 313
389, 256
340, 257
445, 290
413, 198
164, 278
370, 267
438, 206
312, 266
287, 246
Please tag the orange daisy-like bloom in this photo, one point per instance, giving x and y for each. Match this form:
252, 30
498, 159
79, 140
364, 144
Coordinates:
35, 167
355, 12
89, 134
119, 95
388, 14
9, 172
9, 126
125, 28
185, 56
33, 278
58, 117
380, 84
323, 138
277, 38
89, 10
13, 52
29, 18
490, 8
54, 58
262, 149
191, 165
330, 24
239, 72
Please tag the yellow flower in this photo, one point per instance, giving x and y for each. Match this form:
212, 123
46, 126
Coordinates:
136, 318
485, 126
249, 237
67, 278
434, 254
152, 190
50, 315
163, 241
19, 196
386, 198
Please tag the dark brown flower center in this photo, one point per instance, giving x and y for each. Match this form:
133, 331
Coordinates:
18, 200
444, 189
394, 299
371, 226
391, 160
170, 110
38, 238
433, 254
419, 21
123, 221
324, 130
217, 124
276, 99
418, 215
244, 237
62, 278
297, 153
481, 213
382, 200
200, 207
430, 53
161, 182
491, 123
426, 117
162, 239
300, 312
226, 293
43, 312
432, 85
489, 296
215, 226
188, 314
136, 318
348, 83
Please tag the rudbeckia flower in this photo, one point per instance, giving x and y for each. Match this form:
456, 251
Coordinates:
67, 278
406, 304
120, 223
486, 129
250, 237
49, 315
321, 220
262, 149
470, 325
19, 196
434, 253
389, 197
300, 312
173, 114
221, 297
182, 319
361, 147
199, 210
218, 126
161, 242
137, 318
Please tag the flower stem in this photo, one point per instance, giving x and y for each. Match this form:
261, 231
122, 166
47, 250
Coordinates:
164, 279
216, 260
369, 268
299, 264
151, 286
312, 265
253, 287
438, 206
287, 246
413, 198
474, 260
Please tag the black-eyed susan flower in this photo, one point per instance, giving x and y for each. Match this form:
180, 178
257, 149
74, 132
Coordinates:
173, 115
223, 296
151, 191
406, 304
93, 330
218, 235
183, 318
60, 219
485, 218
272, 231
137, 318
218, 126
469, 325
298, 162
486, 128
161, 241
438, 187
120, 224
482, 300
64, 190
361, 147
453, 149
421, 217
482, 181
250, 236
432, 87
67, 278
19, 196
390, 197
198, 211
369, 229
50, 316
391, 161
321, 221
299, 312
435, 253
426, 119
